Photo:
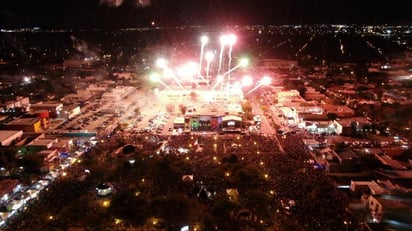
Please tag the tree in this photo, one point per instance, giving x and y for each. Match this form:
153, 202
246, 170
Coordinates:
258, 201
183, 109
74, 212
246, 107
223, 211
166, 172
302, 90
248, 177
126, 205
7, 155
233, 158
32, 163
264, 108
137, 111
193, 96
173, 209
170, 107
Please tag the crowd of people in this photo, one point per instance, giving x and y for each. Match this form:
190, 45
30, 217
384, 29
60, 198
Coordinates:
290, 175
247, 163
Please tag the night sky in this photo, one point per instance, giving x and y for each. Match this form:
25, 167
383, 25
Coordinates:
130, 13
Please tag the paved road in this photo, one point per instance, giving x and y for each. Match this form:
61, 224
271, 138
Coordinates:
265, 127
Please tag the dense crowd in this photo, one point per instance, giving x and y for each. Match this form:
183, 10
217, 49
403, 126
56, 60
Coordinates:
252, 164
319, 204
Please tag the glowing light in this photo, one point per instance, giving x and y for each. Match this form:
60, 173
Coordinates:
187, 70
266, 80
209, 56
244, 62
168, 73
219, 79
106, 203
161, 63
223, 41
111, 3
204, 39
117, 221
247, 81
236, 89
156, 78
209, 97
231, 39
155, 221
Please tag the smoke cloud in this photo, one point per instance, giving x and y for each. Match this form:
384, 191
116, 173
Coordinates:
142, 3
82, 47
111, 3
117, 3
